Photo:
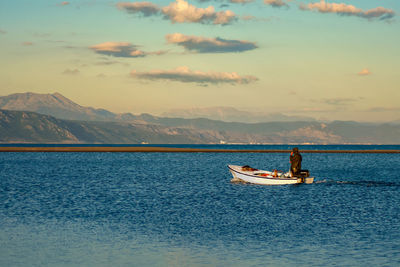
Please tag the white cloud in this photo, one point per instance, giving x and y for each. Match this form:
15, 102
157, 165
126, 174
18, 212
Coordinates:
276, 3
209, 45
146, 8
241, 1
184, 74
122, 49
181, 12
349, 10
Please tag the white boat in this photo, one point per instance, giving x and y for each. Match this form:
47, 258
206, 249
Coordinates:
255, 176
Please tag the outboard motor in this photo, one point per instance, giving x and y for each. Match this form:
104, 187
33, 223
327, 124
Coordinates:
304, 177
304, 174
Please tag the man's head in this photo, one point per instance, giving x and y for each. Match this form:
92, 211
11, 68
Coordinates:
295, 150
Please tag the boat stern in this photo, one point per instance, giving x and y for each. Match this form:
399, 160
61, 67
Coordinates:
305, 180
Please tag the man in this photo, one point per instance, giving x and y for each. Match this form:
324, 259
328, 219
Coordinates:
295, 162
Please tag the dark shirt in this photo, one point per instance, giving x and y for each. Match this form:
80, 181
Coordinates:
295, 163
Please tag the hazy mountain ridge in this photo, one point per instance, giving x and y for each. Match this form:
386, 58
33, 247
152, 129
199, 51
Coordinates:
230, 114
89, 125
61, 107
25, 126
53, 104
20, 126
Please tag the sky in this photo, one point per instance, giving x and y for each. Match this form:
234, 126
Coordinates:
330, 60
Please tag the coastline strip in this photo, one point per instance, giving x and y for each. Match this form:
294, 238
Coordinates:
179, 150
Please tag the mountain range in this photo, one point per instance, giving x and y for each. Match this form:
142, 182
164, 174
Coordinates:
32, 127
61, 107
53, 118
230, 114
55, 105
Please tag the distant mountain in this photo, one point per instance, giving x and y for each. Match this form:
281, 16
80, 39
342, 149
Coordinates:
65, 121
230, 114
24, 126
31, 127
55, 105
63, 108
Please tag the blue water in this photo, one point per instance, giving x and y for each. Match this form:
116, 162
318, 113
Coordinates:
180, 209
218, 146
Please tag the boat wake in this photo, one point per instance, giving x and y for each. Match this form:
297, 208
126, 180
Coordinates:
358, 183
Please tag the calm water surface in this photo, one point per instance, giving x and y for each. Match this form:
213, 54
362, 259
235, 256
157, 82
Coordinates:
180, 209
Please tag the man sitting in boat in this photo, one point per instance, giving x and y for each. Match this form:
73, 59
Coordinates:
295, 162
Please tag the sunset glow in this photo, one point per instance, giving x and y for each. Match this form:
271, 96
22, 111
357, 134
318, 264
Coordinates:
292, 57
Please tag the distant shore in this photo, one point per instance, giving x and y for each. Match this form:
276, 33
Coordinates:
177, 150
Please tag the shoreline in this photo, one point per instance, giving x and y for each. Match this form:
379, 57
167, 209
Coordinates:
181, 150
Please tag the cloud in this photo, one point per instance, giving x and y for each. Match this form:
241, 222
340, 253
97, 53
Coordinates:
379, 12
276, 3
241, 1
258, 19
71, 72
110, 62
349, 10
248, 17
364, 72
2, 31
209, 45
64, 3
340, 101
27, 43
146, 8
230, 1
158, 53
118, 49
316, 110
384, 109
184, 74
181, 12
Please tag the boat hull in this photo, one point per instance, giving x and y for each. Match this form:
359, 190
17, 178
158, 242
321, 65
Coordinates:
255, 177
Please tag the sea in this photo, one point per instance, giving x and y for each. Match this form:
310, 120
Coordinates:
180, 209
